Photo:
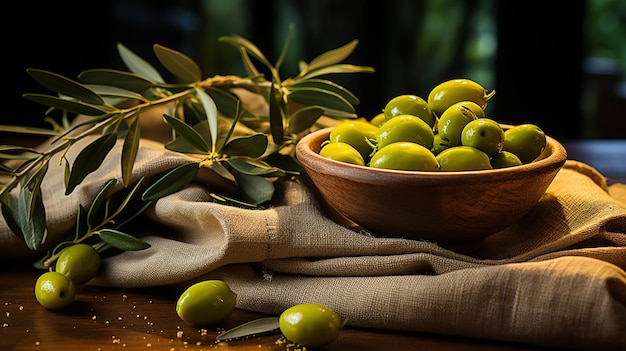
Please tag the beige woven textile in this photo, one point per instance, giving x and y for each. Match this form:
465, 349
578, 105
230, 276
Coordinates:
556, 278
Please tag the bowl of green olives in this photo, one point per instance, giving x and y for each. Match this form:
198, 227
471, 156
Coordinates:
428, 182
456, 209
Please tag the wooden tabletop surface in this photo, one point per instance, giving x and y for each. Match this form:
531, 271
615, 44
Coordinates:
145, 319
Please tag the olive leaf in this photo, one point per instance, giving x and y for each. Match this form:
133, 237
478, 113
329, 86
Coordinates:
211, 115
252, 166
121, 240
123, 80
193, 112
113, 93
182, 145
7, 207
33, 182
278, 109
246, 46
285, 49
226, 102
15, 152
287, 163
81, 225
248, 65
137, 211
119, 127
138, 65
330, 86
179, 64
77, 107
94, 216
65, 86
303, 119
127, 200
231, 132
255, 188
331, 57
321, 97
88, 160
222, 171
28, 130
26, 216
130, 150
339, 68
172, 181
127, 209
251, 146
188, 133
254, 327
329, 112
113, 117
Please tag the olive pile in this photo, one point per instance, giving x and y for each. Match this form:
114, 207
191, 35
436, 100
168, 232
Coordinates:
76, 265
449, 132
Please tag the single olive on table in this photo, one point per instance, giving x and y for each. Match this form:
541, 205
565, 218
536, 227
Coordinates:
310, 324
206, 303
453, 194
54, 290
80, 262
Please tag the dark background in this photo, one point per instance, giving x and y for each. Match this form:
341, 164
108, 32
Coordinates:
538, 71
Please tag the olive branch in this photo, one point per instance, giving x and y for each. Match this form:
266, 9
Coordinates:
208, 120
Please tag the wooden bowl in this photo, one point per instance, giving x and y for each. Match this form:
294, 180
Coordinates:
457, 210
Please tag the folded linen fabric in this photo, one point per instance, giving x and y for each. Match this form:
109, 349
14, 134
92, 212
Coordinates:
555, 278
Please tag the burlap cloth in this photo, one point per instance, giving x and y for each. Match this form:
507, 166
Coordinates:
556, 278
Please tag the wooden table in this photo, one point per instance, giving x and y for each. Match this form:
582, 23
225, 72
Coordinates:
145, 319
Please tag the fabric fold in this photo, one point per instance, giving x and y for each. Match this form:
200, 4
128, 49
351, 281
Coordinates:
562, 302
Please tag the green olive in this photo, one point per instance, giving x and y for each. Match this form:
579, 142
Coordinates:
54, 290
206, 303
80, 262
343, 152
356, 133
310, 324
452, 122
378, 120
406, 156
463, 158
526, 141
478, 111
405, 128
439, 144
484, 134
409, 105
504, 159
452, 91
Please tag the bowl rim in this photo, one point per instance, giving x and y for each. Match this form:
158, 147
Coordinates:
553, 157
